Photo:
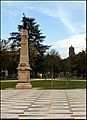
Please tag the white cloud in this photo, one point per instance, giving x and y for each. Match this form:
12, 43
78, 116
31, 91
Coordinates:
67, 13
62, 16
63, 11
77, 41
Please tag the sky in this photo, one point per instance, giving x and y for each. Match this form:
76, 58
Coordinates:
62, 22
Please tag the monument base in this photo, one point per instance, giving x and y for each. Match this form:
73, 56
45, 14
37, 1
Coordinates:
23, 86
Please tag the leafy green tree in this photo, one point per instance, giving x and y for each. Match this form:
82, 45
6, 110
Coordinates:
3, 56
81, 64
75, 65
63, 67
52, 63
8, 59
71, 65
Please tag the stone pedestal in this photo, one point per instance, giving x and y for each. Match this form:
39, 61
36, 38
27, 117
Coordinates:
24, 67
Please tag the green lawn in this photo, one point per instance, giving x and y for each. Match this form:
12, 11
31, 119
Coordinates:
46, 84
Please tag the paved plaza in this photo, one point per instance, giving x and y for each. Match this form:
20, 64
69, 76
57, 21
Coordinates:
43, 104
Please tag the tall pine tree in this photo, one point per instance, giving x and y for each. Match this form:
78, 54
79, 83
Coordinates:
36, 48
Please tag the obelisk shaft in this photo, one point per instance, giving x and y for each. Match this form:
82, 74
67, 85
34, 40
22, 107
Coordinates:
24, 67
24, 53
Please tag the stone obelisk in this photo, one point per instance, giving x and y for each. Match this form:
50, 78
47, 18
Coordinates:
24, 67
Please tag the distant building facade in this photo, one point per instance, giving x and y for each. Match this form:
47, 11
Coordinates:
71, 51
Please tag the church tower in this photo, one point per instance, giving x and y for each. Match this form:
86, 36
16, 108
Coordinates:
71, 51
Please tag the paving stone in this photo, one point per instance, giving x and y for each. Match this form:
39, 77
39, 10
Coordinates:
60, 111
9, 116
14, 111
59, 103
30, 117
59, 116
78, 109
79, 118
59, 108
77, 105
18, 107
24, 104
79, 113
38, 109
43, 104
